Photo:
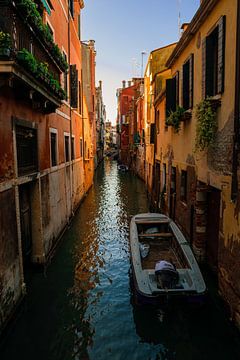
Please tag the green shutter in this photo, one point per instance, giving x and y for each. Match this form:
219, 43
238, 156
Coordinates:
47, 7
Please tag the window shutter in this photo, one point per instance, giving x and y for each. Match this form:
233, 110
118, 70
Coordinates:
177, 88
191, 80
204, 68
74, 86
152, 134
181, 96
221, 53
170, 95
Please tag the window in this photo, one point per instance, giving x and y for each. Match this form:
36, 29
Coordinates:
79, 26
157, 121
164, 178
173, 180
72, 149
152, 134
53, 147
80, 97
183, 191
81, 147
66, 144
74, 86
187, 84
26, 141
71, 7
213, 48
172, 94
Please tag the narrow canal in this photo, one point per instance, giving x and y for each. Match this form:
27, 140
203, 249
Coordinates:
82, 307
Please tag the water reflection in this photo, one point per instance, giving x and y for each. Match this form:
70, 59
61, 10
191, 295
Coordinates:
84, 307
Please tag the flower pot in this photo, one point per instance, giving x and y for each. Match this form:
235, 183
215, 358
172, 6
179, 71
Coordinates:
5, 53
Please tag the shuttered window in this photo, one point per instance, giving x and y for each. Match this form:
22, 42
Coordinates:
74, 86
183, 190
213, 59
172, 94
187, 84
152, 134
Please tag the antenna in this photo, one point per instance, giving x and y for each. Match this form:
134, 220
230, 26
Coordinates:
179, 18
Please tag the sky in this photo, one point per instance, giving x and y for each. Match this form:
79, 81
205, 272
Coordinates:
122, 30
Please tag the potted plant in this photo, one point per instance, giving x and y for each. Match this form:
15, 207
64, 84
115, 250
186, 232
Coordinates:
27, 60
5, 44
42, 71
206, 124
175, 117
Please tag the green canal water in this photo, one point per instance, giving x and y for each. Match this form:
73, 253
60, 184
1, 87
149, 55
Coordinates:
82, 307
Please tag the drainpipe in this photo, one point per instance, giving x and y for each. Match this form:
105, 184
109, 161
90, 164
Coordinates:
236, 138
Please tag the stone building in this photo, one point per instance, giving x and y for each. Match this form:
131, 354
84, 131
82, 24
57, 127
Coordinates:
44, 137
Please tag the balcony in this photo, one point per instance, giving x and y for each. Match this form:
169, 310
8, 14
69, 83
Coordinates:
29, 61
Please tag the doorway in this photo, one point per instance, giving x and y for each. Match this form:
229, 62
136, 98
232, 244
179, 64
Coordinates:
212, 232
26, 221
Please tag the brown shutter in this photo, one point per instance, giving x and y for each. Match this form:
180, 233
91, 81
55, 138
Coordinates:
221, 53
74, 86
177, 87
182, 88
204, 68
191, 80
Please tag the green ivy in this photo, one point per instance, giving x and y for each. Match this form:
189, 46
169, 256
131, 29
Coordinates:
206, 124
174, 118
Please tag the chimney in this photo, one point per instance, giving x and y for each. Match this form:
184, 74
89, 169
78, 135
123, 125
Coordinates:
129, 83
124, 84
100, 84
184, 27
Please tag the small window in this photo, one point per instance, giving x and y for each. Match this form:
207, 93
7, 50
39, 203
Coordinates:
152, 134
66, 142
79, 26
80, 97
157, 121
53, 139
72, 149
81, 147
173, 180
71, 7
164, 178
183, 192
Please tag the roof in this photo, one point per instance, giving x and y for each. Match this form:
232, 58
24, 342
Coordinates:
200, 16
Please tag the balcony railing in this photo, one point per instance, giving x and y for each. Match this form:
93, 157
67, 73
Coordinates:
30, 58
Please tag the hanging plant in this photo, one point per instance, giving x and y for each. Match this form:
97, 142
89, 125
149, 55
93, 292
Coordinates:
174, 118
206, 124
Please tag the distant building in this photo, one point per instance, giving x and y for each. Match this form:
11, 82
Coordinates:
100, 124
